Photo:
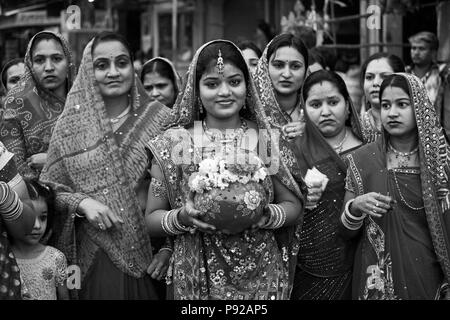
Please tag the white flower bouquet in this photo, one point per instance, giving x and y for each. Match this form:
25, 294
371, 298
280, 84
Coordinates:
232, 195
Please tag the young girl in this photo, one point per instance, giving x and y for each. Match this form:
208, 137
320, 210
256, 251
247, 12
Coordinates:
42, 268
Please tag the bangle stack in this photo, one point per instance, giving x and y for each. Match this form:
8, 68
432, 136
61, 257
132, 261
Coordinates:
171, 225
350, 221
11, 206
277, 217
166, 249
79, 215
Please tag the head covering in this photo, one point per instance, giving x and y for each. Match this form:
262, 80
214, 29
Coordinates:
186, 110
176, 76
30, 82
31, 110
434, 155
86, 158
312, 148
266, 91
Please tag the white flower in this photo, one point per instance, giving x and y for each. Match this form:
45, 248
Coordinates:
244, 179
208, 166
197, 182
222, 166
229, 176
222, 182
260, 175
252, 199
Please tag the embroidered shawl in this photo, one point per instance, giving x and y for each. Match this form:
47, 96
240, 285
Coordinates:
183, 114
31, 111
434, 155
87, 159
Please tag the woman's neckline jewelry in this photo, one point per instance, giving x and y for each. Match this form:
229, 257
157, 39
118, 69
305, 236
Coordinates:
403, 154
120, 116
403, 158
224, 137
338, 148
401, 195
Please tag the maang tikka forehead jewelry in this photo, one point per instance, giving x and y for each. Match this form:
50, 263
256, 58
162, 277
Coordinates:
220, 65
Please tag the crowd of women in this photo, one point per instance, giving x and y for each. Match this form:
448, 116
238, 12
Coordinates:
353, 205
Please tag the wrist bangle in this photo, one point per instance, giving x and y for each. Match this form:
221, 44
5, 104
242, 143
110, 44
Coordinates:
347, 211
79, 215
349, 221
165, 249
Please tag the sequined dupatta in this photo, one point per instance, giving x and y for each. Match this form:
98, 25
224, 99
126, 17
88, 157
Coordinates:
367, 172
434, 155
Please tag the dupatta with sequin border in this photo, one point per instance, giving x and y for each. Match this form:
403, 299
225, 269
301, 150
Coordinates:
434, 157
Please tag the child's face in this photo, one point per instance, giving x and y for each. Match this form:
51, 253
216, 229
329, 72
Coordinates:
40, 224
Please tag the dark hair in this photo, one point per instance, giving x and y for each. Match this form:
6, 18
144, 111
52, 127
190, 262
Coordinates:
288, 40
307, 34
332, 77
163, 69
38, 190
106, 36
329, 55
208, 59
44, 36
394, 61
316, 57
247, 44
325, 75
395, 80
8, 65
266, 29
428, 37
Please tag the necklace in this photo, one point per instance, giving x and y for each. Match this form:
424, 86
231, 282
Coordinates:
338, 148
227, 137
401, 195
120, 116
403, 158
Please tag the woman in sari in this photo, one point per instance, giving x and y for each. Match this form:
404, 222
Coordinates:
97, 163
397, 200
332, 130
279, 77
161, 80
373, 71
212, 262
33, 106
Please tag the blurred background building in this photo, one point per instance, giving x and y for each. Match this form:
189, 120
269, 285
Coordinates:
176, 28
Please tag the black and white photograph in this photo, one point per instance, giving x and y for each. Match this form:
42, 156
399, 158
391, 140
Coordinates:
236, 151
